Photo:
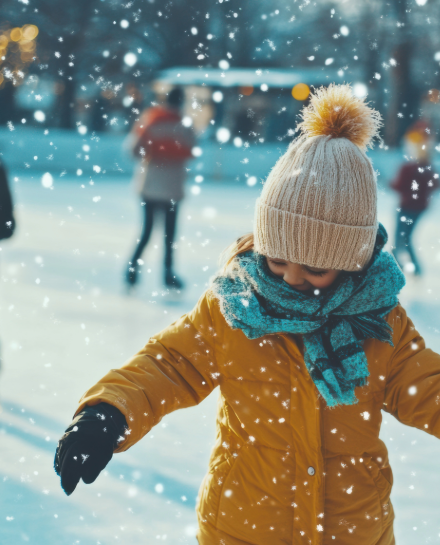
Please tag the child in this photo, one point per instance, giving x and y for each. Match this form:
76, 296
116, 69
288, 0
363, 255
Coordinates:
304, 335
415, 182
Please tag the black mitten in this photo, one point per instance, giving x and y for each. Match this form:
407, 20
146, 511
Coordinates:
87, 445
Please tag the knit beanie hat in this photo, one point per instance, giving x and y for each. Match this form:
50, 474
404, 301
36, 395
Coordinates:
318, 206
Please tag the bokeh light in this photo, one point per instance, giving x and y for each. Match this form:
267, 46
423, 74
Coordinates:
30, 32
360, 90
217, 96
27, 45
130, 59
16, 34
301, 91
223, 135
47, 180
39, 116
127, 101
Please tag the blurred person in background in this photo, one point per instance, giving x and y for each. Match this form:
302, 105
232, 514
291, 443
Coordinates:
7, 221
415, 182
163, 145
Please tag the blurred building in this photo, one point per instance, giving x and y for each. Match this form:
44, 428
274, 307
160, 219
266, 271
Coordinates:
245, 104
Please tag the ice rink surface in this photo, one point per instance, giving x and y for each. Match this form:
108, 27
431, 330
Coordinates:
65, 319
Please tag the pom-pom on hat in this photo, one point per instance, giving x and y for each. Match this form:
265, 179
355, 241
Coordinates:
318, 206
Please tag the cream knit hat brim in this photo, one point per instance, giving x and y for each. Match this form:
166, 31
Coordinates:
308, 241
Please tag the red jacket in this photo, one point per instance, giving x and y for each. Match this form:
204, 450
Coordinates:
415, 182
160, 136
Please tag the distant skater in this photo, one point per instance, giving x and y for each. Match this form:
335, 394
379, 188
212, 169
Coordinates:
163, 145
7, 221
415, 182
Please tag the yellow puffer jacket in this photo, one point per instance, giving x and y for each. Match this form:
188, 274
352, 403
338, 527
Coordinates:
285, 468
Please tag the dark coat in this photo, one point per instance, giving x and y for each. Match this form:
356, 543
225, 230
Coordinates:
7, 221
415, 183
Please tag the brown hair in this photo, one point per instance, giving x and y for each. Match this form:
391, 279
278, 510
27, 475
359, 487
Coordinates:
243, 244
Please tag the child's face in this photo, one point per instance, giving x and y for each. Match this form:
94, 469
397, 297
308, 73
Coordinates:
302, 277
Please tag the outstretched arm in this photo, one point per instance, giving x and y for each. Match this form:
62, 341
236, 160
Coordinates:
176, 369
412, 391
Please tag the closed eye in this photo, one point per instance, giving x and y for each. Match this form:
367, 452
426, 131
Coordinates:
315, 273
277, 263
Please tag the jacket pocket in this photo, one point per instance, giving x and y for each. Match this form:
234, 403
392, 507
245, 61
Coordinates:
256, 503
383, 481
210, 493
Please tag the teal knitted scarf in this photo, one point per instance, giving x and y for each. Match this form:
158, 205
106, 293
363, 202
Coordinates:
333, 324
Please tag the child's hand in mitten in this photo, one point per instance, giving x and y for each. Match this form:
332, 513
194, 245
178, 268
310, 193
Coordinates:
87, 445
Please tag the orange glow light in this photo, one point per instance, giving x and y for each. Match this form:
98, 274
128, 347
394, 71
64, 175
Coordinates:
16, 34
246, 90
27, 45
434, 95
30, 32
301, 91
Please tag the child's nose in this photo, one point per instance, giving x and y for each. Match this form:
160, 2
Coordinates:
293, 276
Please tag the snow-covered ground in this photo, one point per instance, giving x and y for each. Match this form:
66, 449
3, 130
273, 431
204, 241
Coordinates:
65, 319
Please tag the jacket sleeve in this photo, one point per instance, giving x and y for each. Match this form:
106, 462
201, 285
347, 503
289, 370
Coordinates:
412, 392
176, 369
